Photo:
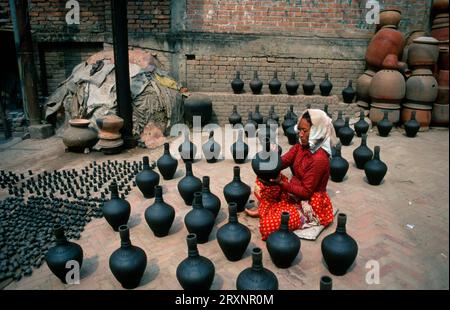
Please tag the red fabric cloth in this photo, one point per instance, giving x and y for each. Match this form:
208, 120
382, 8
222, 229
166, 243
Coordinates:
311, 173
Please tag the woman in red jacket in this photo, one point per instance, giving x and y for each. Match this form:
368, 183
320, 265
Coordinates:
304, 196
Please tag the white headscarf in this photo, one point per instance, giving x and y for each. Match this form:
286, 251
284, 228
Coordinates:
322, 134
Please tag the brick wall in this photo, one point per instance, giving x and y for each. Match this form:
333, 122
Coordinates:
293, 17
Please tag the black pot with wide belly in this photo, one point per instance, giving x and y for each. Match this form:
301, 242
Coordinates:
237, 191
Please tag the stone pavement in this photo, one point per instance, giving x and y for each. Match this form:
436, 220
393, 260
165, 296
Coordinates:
402, 224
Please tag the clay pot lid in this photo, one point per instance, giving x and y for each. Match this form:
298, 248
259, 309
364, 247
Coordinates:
79, 122
426, 40
386, 106
422, 71
390, 10
417, 106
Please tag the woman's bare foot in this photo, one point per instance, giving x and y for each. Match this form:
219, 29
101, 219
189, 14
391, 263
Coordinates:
254, 212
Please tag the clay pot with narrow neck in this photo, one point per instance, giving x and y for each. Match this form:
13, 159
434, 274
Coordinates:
116, 210
211, 149
239, 149
338, 165
308, 85
362, 154
361, 126
187, 149
346, 134
292, 135
256, 84
375, 169
160, 215
412, 126
275, 84
189, 185
79, 136
267, 163
210, 201
326, 283
256, 116
292, 85
199, 220
338, 123
237, 84
291, 114
237, 191
234, 117
326, 86
167, 165
257, 277
384, 126
348, 94
250, 126
147, 179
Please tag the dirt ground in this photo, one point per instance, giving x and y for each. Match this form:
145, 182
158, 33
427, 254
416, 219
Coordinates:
401, 225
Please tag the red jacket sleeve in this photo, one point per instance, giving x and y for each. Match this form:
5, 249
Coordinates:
288, 158
305, 187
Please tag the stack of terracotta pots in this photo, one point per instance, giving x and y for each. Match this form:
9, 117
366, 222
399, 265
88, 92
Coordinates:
439, 25
111, 141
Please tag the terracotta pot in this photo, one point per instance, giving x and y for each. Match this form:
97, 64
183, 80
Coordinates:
414, 34
423, 114
387, 86
443, 95
390, 17
384, 42
440, 5
377, 110
439, 116
440, 31
422, 86
79, 135
110, 126
423, 52
390, 62
440, 20
443, 78
363, 85
443, 58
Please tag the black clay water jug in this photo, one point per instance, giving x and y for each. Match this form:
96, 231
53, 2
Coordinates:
375, 169
385, 125
234, 117
362, 154
250, 126
325, 109
292, 135
147, 179
348, 93
195, 272
326, 86
233, 237
160, 215
292, 85
237, 191
167, 165
211, 149
237, 84
291, 114
283, 245
187, 149
273, 114
256, 116
346, 134
210, 201
199, 221
361, 126
338, 166
256, 84
338, 123
189, 185
63, 252
288, 122
326, 283
267, 163
275, 84
308, 85
128, 262
116, 210
339, 250
257, 277
239, 149
412, 126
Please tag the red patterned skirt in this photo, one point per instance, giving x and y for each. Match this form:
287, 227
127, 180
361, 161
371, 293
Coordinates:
273, 200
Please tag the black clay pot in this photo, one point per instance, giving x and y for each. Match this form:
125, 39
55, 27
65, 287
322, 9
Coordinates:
292, 85
325, 109
275, 84
210, 201
384, 126
412, 126
291, 114
361, 126
196, 272
288, 122
273, 115
211, 149
199, 221
239, 149
233, 237
338, 166
308, 85
362, 154
283, 245
267, 163
187, 149
189, 185
234, 117
160, 215
325, 86
250, 126
63, 252
338, 123
128, 262
257, 277
167, 165
375, 169
326, 283
339, 250
256, 116
256, 84
348, 94
116, 210
147, 179
346, 134
292, 135
237, 84
198, 105
237, 191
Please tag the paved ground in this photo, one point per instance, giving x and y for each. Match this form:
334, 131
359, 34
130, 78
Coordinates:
402, 224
